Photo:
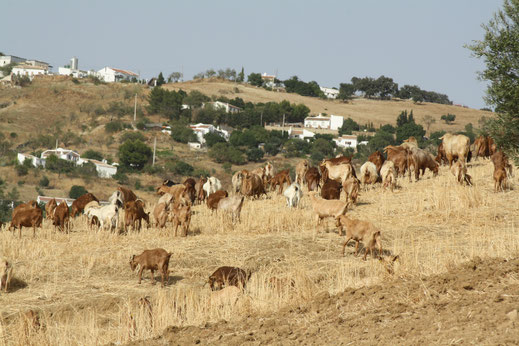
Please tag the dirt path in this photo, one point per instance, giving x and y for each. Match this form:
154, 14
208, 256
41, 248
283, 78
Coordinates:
474, 303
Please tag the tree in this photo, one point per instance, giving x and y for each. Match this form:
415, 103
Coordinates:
449, 118
174, 77
348, 126
77, 191
254, 154
92, 154
499, 50
407, 130
134, 154
255, 79
404, 118
241, 76
213, 138
346, 91
160, 79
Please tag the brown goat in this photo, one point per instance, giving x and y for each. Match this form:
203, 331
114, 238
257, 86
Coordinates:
351, 189
79, 204
134, 214
378, 159
214, 198
199, 188
31, 217
182, 217
280, 179
6, 273
312, 179
331, 189
156, 259
49, 209
62, 217
360, 231
228, 276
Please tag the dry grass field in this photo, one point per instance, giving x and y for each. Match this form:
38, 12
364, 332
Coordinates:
82, 286
360, 110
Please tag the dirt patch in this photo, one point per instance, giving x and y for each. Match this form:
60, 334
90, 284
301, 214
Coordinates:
476, 302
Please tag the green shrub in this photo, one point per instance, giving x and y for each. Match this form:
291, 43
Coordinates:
77, 191
254, 154
44, 182
92, 154
114, 126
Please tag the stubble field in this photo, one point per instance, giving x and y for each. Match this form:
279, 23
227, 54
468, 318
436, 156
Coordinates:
82, 286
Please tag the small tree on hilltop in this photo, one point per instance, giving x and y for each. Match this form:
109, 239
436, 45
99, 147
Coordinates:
160, 79
134, 154
255, 79
77, 191
449, 118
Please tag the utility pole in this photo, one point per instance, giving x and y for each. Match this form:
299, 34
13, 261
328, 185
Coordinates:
135, 110
283, 127
261, 119
154, 150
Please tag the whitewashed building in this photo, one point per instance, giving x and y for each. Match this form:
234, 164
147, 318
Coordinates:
72, 69
330, 93
10, 59
332, 122
229, 108
346, 141
36, 161
110, 74
104, 170
300, 134
201, 130
268, 80
29, 70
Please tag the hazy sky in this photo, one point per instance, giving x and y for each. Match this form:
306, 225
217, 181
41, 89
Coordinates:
415, 42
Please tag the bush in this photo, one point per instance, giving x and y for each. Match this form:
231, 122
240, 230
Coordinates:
134, 154
92, 154
182, 133
222, 152
133, 136
77, 191
180, 168
121, 178
114, 126
21, 170
254, 154
44, 182
213, 138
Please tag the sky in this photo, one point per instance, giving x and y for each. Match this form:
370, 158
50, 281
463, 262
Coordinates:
415, 42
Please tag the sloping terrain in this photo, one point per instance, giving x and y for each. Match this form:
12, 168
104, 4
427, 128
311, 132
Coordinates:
360, 110
473, 303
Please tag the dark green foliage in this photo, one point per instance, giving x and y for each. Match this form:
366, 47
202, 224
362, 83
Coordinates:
92, 154
223, 152
179, 167
55, 164
346, 91
213, 138
388, 128
160, 79
254, 154
418, 95
321, 148
296, 148
294, 85
195, 99
44, 182
243, 139
241, 76
114, 126
255, 79
132, 136
133, 155
165, 102
403, 118
348, 126
21, 170
380, 140
181, 132
449, 118
121, 178
77, 191
408, 130
435, 137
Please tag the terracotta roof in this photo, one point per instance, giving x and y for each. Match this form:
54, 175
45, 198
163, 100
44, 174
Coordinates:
318, 118
348, 137
124, 71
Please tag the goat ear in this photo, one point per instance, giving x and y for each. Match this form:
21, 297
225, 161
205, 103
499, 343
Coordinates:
394, 258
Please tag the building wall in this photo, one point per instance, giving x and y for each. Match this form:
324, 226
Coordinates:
105, 172
323, 124
6, 60
28, 72
336, 122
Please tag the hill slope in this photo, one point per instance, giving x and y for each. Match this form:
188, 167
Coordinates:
360, 110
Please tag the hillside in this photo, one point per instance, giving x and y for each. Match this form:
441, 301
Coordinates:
361, 110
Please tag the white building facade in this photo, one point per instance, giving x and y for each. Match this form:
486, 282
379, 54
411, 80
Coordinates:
332, 122
330, 92
300, 134
10, 59
226, 106
29, 71
346, 141
201, 130
110, 75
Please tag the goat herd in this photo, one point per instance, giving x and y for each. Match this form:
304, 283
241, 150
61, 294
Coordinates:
332, 176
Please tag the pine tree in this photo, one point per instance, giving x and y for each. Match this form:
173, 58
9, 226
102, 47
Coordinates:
160, 79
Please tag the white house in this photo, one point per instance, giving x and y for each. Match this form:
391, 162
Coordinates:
346, 141
330, 93
72, 69
300, 133
29, 70
224, 105
110, 74
332, 122
104, 170
10, 59
36, 161
64, 154
269, 80
201, 130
